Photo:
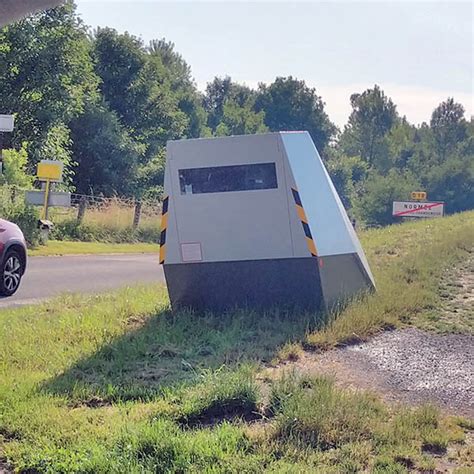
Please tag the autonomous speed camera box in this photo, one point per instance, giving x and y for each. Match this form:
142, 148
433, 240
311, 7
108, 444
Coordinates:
254, 221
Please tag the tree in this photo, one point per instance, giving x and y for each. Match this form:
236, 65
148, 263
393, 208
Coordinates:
14, 172
452, 182
46, 76
107, 157
347, 175
240, 120
150, 92
218, 93
119, 59
182, 84
373, 115
289, 104
449, 127
401, 144
374, 205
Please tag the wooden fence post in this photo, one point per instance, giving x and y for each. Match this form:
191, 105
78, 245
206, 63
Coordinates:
82, 209
137, 214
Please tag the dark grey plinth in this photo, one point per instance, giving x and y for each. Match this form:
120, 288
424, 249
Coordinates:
256, 284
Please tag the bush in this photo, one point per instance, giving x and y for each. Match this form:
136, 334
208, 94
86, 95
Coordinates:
14, 171
15, 210
374, 207
26, 218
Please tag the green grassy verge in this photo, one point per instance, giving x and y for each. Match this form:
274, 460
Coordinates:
408, 261
62, 247
117, 383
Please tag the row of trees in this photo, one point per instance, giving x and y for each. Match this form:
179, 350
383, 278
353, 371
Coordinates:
105, 104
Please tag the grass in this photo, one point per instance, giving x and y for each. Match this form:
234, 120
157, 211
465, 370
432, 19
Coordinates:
109, 222
457, 305
111, 213
118, 383
409, 262
62, 247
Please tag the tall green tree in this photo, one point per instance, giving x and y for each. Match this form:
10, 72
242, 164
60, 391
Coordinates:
289, 104
401, 140
448, 126
222, 91
183, 85
119, 60
240, 120
46, 76
107, 157
373, 115
145, 88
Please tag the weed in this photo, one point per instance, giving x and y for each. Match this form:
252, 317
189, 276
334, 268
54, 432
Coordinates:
315, 414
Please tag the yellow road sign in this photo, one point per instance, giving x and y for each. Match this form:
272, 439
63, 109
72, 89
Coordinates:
49, 170
418, 195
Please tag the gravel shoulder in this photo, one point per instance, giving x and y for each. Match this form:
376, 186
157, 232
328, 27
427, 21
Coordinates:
404, 366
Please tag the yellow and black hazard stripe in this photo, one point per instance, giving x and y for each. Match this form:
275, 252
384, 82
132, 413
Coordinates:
164, 226
304, 222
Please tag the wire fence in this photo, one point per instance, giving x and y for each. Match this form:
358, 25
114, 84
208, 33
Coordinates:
111, 212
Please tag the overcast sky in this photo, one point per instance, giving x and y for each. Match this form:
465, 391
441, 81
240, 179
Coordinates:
420, 53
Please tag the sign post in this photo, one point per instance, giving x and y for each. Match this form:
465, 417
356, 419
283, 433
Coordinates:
6, 125
46, 200
49, 172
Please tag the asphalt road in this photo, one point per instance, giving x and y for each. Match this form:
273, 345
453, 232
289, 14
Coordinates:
46, 277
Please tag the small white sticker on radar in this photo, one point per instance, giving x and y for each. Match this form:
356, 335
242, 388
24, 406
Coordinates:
191, 252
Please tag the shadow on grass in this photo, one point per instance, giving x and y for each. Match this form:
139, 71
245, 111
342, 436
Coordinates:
169, 349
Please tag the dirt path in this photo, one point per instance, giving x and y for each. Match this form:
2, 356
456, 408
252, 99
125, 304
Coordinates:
409, 366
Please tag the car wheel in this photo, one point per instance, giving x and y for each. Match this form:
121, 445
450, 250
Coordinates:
11, 273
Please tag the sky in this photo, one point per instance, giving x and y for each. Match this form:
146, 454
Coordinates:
420, 53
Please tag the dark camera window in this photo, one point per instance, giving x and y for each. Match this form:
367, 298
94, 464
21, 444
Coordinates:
223, 179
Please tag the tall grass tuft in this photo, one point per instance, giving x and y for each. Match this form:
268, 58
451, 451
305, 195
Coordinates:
312, 412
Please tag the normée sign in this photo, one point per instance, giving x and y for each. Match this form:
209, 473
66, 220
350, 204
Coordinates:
417, 209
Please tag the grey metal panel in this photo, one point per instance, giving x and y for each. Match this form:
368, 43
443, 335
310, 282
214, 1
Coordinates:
262, 284
172, 239
233, 225
11, 10
300, 247
319, 198
342, 277
56, 198
331, 229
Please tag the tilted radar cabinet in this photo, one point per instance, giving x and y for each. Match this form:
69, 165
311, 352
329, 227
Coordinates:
255, 221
